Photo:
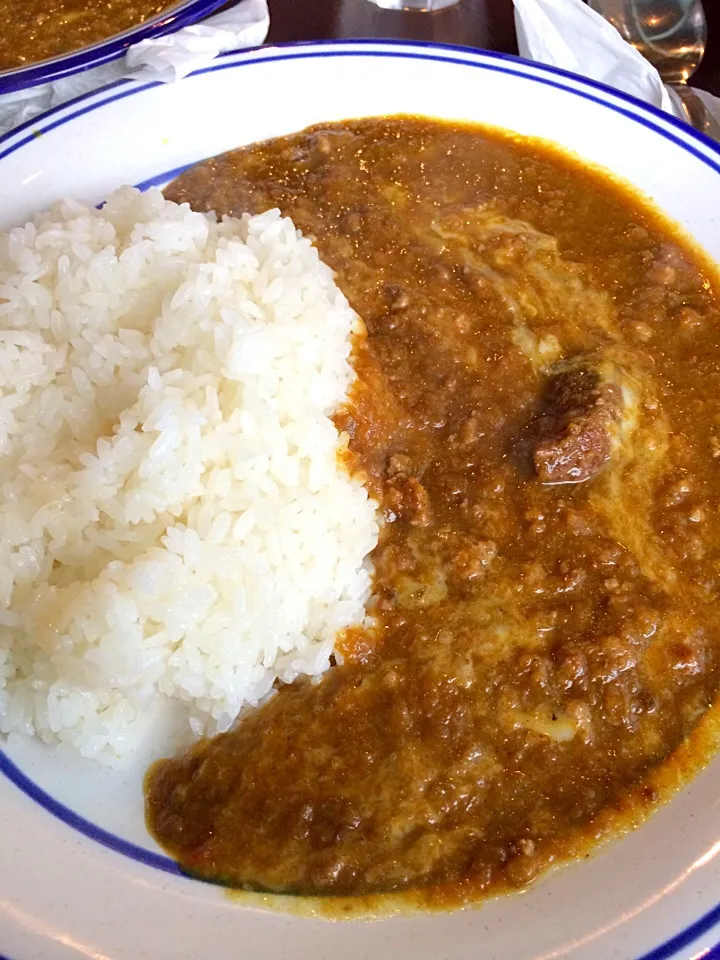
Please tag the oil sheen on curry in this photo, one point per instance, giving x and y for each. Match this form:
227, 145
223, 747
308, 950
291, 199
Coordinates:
35, 30
538, 415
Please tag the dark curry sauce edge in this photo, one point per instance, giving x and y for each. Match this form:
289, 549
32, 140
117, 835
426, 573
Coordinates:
676, 773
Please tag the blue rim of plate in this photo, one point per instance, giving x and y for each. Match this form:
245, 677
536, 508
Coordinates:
666, 126
178, 16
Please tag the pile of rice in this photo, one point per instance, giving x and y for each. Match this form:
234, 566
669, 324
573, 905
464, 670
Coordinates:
173, 519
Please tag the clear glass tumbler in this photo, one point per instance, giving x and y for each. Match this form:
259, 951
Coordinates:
672, 34
476, 23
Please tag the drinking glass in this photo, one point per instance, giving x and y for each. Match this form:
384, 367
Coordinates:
671, 34
475, 23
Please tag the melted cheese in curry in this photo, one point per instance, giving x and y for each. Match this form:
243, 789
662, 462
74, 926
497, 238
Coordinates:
35, 30
538, 414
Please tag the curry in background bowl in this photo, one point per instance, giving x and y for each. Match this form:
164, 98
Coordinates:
538, 415
41, 29
45, 39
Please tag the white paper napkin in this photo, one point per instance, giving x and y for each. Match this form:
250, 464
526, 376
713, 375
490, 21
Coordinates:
568, 34
165, 58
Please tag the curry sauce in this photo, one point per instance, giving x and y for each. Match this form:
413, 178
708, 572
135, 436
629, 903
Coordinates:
36, 30
537, 412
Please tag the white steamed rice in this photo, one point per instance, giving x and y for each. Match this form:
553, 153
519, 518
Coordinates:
173, 519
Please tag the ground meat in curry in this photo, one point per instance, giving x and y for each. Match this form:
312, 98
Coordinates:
35, 30
538, 414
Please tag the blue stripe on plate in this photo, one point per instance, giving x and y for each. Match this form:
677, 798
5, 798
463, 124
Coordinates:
653, 119
159, 180
642, 113
74, 820
686, 937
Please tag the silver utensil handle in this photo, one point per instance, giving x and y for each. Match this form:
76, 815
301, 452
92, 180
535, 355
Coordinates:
695, 110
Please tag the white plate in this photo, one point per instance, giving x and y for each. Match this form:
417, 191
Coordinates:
79, 877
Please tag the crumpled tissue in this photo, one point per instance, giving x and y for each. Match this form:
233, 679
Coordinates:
570, 35
165, 59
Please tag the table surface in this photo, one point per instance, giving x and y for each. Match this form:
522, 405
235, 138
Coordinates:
490, 27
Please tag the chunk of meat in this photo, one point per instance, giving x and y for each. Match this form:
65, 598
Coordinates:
471, 559
405, 497
574, 438
667, 266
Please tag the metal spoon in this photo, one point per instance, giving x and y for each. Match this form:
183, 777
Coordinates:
672, 35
